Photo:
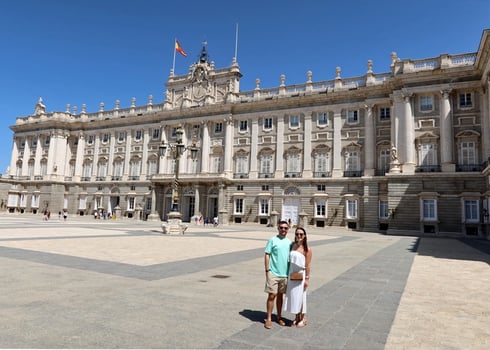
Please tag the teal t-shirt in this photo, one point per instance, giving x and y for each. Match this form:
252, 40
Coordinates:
278, 248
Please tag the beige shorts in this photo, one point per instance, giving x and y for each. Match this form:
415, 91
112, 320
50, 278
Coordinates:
275, 284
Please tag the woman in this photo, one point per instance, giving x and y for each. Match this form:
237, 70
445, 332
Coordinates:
299, 261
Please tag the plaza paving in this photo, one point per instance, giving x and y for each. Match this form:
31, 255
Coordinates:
89, 283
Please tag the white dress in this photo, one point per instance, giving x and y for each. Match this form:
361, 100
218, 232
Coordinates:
295, 293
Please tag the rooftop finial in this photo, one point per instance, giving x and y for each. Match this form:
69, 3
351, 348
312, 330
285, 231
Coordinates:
204, 54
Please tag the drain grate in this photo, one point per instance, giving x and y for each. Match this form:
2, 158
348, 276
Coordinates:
220, 276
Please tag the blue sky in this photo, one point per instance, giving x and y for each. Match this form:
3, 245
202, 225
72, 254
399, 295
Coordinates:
92, 51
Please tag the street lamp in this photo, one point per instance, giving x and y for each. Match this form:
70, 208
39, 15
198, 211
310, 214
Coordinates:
177, 149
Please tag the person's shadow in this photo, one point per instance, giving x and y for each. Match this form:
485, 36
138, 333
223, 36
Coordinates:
258, 316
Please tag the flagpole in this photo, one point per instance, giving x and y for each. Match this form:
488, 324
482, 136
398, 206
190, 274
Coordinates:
173, 66
236, 42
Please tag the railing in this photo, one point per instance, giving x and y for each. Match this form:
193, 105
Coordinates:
116, 178
381, 172
266, 175
100, 178
293, 174
133, 178
469, 167
428, 169
240, 176
353, 173
68, 178
85, 178
322, 174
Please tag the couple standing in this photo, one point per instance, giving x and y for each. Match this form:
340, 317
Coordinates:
283, 257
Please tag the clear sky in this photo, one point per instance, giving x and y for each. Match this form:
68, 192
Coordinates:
92, 51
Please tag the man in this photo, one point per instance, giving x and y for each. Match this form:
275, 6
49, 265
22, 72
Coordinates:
276, 271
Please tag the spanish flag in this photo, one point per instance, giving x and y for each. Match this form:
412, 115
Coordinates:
179, 49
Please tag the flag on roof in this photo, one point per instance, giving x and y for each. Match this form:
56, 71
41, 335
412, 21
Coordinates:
179, 49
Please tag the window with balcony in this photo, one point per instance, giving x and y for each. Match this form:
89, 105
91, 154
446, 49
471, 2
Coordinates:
293, 164
241, 165
322, 164
266, 164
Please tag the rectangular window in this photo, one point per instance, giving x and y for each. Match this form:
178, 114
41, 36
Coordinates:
82, 203
468, 153
243, 125
131, 203
47, 140
322, 119
384, 160
384, 113
320, 188
266, 164
322, 163
428, 154
216, 164
138, 135
264, 207
426, 103
265, 187
218, 128
267, 123
239, 187
294, 121
155, 135
465, 100
471, 213
90, 140
242, 165
293, 163
353, 117
320, 208
105, 138
383, 209
35, 201
152, 167
239, 206
122, 136
352, 161
351, 209
148, 204
429, 209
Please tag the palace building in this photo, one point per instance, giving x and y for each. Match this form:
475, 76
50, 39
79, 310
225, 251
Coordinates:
405, 151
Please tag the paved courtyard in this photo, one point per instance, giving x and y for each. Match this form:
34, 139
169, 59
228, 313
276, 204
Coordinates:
89, 283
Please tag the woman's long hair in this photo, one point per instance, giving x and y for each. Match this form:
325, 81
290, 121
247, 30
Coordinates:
304, 243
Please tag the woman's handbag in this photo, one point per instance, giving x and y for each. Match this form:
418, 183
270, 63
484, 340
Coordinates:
296, 276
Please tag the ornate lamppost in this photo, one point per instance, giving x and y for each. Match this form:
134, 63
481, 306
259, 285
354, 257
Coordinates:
176, 150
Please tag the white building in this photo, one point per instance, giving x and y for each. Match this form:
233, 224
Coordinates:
405, 150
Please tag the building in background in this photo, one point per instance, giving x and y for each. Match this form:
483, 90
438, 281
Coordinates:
402, 151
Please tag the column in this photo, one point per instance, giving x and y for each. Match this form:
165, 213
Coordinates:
337, 144
279, 171
370, 145
254, 137
307, 173
447, 162
162, 166
228, 148
38, 156
183, 156
485, 107
79, 157
408, 146
196, 201
25, 158
127, 155
205, 148
110, 165
144, 158
15, 156
96, 156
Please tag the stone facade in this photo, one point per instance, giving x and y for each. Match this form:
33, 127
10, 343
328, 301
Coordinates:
402, 152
